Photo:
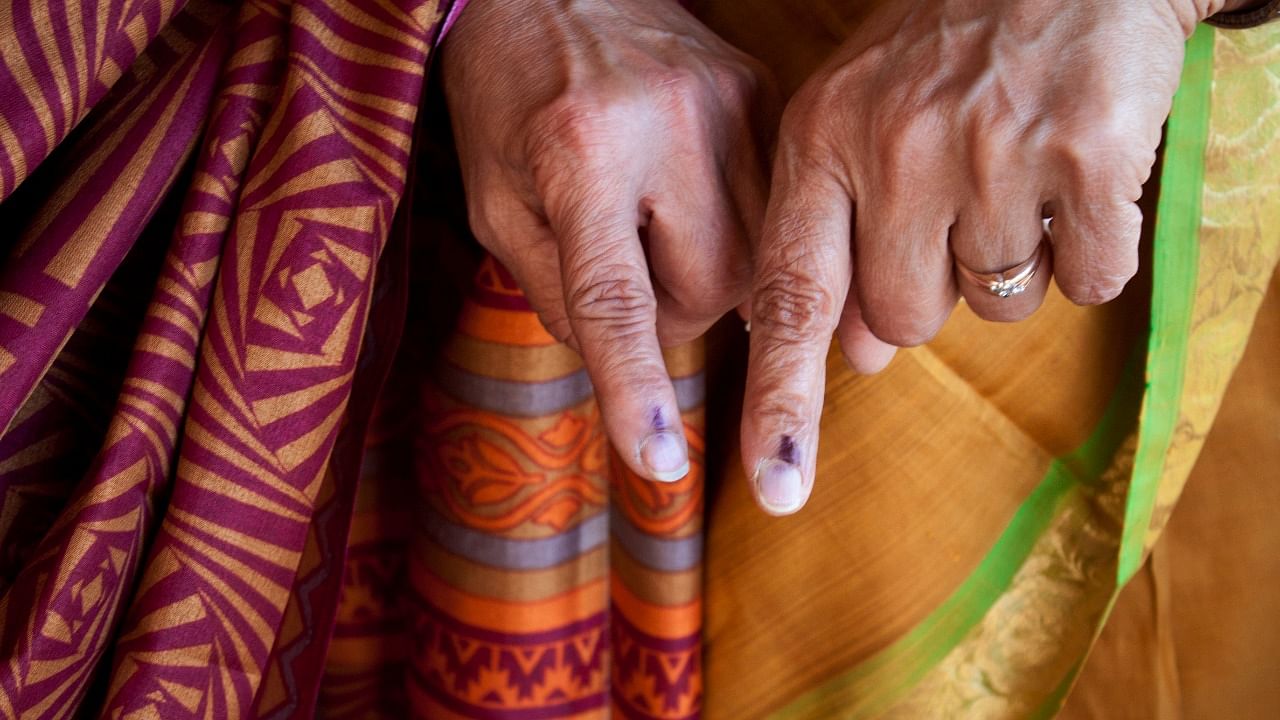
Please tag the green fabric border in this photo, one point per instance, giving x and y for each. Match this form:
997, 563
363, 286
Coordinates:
1174, 287
884, 678
1174, 266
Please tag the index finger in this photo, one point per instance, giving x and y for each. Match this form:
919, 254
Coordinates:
802, 277
610, 304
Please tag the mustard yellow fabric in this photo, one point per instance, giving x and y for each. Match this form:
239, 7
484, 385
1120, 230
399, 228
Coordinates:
924, 467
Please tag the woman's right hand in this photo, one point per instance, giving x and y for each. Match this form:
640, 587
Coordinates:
917, 166
610, 154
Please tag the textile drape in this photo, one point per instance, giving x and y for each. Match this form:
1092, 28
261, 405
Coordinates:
280, 441
197, 197
990, 494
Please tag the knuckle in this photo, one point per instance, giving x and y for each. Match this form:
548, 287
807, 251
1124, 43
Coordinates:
1097, 254
613, 296
1105, 160
908, 146
1096, 288
574, 127
778, 408
791, 306
736, 83
1090, 293
679, 93
677, 80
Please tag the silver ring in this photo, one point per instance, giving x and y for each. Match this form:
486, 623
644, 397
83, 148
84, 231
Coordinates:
1008, 282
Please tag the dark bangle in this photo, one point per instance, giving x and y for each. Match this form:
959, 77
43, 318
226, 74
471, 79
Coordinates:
1247, 18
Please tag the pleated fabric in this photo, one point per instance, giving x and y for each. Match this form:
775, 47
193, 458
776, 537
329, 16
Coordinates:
278, 440
197, 197
547, 579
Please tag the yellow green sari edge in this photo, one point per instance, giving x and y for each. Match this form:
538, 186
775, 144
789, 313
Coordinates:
877, 684
1174, 266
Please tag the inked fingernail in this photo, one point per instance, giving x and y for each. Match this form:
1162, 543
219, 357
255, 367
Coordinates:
664, 453
664, 456
778, 482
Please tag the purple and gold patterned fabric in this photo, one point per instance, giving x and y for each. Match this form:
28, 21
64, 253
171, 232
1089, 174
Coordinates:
193, 324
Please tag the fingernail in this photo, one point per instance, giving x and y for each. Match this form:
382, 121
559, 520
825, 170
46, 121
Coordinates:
778, 487
665, 456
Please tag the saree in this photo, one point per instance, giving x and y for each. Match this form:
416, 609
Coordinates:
280, 441
198, 283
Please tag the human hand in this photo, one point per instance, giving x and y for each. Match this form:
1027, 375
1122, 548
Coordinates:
609, 154
937, 139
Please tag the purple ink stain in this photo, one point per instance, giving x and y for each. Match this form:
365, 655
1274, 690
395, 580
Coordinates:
787, 450
658, 422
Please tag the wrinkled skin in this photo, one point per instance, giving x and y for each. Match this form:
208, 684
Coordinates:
612, 158
943, 132
611, 161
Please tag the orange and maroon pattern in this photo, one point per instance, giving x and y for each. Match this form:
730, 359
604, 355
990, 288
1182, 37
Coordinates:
656, 583
548, 581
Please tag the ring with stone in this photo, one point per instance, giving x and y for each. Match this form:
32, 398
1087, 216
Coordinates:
1008, 282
